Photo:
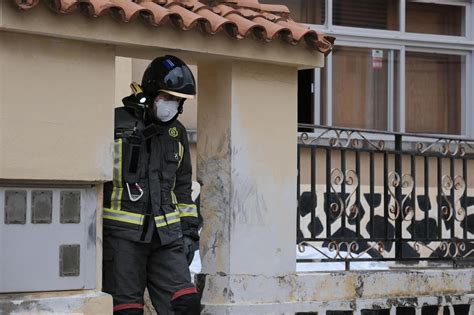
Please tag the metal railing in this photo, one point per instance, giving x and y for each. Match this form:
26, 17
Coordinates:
367, 195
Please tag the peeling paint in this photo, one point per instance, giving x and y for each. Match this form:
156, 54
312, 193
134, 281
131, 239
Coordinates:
214, 175
359, 287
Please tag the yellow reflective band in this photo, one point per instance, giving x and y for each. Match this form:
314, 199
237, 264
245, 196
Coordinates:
117, 176
119, 181
159, 225
187, 210
174, 200
172, 217
132, 214
168, 215
180, 152
119, 200
123, 216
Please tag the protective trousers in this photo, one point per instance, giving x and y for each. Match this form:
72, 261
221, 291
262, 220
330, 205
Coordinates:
129, 267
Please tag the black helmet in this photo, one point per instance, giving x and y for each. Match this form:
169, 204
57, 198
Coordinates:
168, 74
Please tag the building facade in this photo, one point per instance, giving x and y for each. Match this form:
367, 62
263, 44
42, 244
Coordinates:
251, 98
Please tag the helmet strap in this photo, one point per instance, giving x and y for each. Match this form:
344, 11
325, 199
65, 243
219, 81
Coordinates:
181, 103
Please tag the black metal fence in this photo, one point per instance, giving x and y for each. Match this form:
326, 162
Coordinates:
371, 195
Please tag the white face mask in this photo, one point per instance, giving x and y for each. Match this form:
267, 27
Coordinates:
165, 110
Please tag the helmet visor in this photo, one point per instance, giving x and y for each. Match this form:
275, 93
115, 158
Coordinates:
181, 80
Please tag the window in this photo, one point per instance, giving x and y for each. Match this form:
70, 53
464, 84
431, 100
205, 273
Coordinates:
360, 87
304, 11
380, 76
375, 14
431, 18
433, 93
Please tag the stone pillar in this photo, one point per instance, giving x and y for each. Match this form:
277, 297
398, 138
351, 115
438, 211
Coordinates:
247, 124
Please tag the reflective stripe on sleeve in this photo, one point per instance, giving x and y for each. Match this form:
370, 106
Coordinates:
174, 200
117, 176
180, 152
187, 210
171, 218
123, 216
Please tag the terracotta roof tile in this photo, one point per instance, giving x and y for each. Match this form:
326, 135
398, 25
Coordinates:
237, 18
157, 15
215, 21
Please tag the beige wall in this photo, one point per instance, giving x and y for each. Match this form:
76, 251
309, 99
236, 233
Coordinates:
247, 166
56, 108
123, 78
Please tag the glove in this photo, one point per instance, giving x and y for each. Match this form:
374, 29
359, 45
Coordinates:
190, 246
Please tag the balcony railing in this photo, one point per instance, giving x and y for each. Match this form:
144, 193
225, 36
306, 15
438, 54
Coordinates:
379, 196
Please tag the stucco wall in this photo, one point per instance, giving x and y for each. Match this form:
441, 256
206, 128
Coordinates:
246, 163
56, 108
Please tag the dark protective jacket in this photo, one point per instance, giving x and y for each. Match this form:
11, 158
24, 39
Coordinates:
151, 184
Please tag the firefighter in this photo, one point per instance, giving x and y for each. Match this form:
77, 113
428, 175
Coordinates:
150, 220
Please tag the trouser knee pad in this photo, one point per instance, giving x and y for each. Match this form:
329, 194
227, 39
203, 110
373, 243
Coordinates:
186, 302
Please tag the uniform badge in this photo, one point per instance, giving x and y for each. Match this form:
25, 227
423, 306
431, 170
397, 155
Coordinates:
173, 132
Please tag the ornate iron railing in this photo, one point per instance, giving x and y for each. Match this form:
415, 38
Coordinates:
368, 195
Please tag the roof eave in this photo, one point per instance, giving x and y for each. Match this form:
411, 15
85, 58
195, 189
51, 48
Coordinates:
105, 29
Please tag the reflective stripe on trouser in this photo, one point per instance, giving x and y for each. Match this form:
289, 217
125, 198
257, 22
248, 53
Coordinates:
123, 216
127, 306
117, 176
187, 210
167, 219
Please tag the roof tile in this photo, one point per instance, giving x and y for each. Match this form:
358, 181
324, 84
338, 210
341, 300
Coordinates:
189, 18
157, 15
237, 18
215, 21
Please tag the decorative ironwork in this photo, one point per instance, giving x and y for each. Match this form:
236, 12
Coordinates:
337, 179
408, 184
394, 206
447, 183
378, 203
351, 249
459, 190
344, 139
446, 249
447, 147
352, 210
347, 206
